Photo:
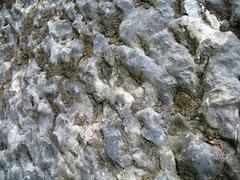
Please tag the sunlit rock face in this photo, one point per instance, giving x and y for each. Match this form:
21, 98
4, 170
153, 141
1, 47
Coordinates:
120, 89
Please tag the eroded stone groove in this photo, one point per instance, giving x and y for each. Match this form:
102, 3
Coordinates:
123, 89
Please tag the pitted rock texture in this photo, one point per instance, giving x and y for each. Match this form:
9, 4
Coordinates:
120, 89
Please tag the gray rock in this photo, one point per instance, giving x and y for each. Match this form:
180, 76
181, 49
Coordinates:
167, 53
121, 89
167, 175
223, 83
229, 10
222, 7
235, 18
114, 146
60, 29
142, 66
199, 160
125, 5
109, 18
14, 173
192, 8
70, 10
233, 169
141, 23
88, 8
152, 122
99, 42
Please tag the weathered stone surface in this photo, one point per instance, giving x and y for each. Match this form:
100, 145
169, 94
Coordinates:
221, 89
123, 89
199, 160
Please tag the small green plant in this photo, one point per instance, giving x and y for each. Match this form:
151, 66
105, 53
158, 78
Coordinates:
3, 38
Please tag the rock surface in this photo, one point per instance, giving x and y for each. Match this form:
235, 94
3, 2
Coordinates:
121, 89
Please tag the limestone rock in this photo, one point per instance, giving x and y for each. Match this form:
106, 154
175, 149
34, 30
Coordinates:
122, 89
